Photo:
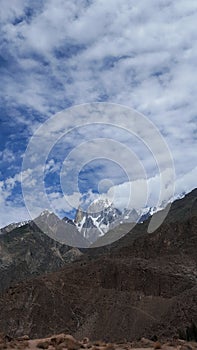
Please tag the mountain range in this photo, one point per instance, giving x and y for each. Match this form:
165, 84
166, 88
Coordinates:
102, 216
88, 227
144, 284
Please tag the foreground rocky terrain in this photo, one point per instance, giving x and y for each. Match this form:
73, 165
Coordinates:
143, 285
66, 341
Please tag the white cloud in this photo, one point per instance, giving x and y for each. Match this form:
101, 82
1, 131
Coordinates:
134, 194
7, 155
140, 54
52, 166
60, 203
9, 211
146, 192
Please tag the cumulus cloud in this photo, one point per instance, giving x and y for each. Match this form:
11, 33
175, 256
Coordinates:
143, 193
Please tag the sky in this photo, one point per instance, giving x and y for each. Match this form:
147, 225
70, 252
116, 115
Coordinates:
122, 55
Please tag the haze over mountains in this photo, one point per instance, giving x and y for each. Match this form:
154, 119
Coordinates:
147, 283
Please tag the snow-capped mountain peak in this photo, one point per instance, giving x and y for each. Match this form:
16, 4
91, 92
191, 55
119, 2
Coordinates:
99, 218
99, 205
46, 212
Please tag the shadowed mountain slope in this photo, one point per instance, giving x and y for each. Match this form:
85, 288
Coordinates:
180, 211
26, 252
142, 285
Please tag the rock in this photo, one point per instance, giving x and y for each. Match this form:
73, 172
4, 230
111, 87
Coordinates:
43, 344
110, 347
98, 343
186, 347
65, 340
23, 345
24, 337
147, 342
58, 339
85, 340
157, 345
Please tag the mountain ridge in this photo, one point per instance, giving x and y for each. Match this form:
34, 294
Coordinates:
145, 282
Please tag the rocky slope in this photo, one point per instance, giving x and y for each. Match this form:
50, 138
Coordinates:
67, 341
142, 285
180, 211
60, 230
26, 251
101, 217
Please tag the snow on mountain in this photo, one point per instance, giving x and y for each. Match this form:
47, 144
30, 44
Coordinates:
46, 213
100, 216
99, 205
13, 225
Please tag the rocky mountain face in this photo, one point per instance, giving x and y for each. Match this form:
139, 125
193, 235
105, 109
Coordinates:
61, 230
180, 209
87, 227
141, 285
99, 218
26, 251
102, 216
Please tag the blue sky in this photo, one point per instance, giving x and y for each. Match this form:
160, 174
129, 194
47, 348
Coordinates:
56, 54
